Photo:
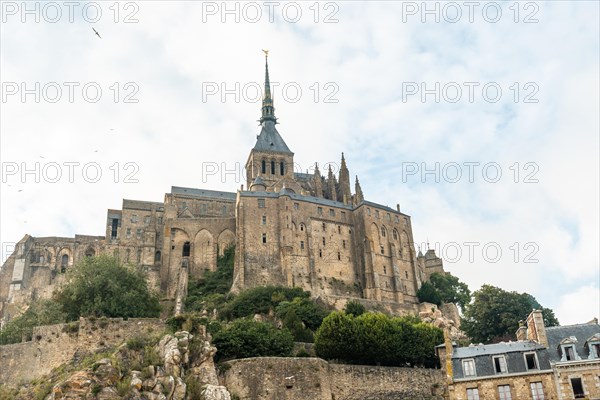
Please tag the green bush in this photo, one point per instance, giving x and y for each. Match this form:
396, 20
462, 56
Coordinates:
208, 292
136, 343
355, 308
376, 339
428, 293
100, 286
247, 338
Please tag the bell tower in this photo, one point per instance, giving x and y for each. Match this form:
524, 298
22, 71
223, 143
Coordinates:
270, 158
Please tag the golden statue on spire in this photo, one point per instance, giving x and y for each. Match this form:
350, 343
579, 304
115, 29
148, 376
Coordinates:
266, 52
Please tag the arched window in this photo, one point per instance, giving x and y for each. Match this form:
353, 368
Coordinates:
383, 231
186, 249
157, 256
281, 168
395, 234
90, 252
301, 227
64, 262
264, 167
272, 167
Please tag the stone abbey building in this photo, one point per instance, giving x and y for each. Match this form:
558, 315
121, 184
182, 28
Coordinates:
288, 228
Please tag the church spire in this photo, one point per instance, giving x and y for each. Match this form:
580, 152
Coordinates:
268, 111
358, 197
345, 194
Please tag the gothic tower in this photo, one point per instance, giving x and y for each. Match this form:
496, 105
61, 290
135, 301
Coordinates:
271, 159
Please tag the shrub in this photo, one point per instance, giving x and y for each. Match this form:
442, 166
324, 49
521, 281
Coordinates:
375, 338
209, 291
355, 308
247, 338
260, 300
136, 343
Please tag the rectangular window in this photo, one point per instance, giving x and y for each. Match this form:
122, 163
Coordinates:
323, 241
504, 392
537, 392
376, 213
319, 211
473, 394
113, 229
468, 367
281, 168
264, 219
128, 234
264, 238
500, 364
388, 217
331, 212
577, 388
147, 219
339, 256
272, 167
320, 253
302, 245
138, 233
159, 220
596, 349
296, 206
224, 210
397, 219
381, 249
203, 208
343, 216
369, 212
134, 218
569, 353
344, 244
264, 167
261, 203
531, 361
339, 229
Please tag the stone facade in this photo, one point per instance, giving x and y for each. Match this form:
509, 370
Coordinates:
289, 228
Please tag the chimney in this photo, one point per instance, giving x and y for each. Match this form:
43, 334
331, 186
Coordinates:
398, 207
535, 328
522, 331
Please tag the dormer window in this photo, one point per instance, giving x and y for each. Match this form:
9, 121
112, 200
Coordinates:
531, 361
500, 364
593, 346
468, 368
568, 351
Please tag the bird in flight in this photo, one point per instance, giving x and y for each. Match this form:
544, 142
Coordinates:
96, 32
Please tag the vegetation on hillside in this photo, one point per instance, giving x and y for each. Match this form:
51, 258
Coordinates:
494, 314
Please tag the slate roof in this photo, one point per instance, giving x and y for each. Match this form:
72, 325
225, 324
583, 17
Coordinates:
211, 194
582, 332
270, 140
512, 351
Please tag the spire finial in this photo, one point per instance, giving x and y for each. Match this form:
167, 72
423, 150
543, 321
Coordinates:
268, 111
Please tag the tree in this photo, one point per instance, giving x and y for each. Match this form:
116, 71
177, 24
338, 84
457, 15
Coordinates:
100, 286
451, 289
260, 300
427, 293
494, 314
209, 291
247, 338
444, 288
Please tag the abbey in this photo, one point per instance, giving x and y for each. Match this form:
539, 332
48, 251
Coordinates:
288, 228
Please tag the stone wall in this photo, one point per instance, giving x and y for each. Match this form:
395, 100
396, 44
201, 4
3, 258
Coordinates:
53, 345
270, 378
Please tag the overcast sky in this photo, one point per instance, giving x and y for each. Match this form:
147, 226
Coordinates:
480, 119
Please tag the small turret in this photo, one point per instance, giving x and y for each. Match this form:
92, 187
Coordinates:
318, 182
345, 194
331, 185
258, 185
358, 197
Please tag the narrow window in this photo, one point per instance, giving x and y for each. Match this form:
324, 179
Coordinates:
147, 219
596, 348
395, 234
159, 220
281, 168
344, 244
319, 211
157, 256
384, 270
134, 218
272, 167
186, 249
323, 226
377, 214
468, 368
301, 227
500, 364
296, 206
203, 208
331, 212
343, 216
406, 274
504, 392
113, 230
138, 233
128, 233
225, 210
369, 212
264, 238
323, 241
473, 394
261, 203
381, 249
537, 391
320, 253
397, 219
569, 353
339, 229
339, 256
302, 245
382, 231
139, 256
264, 219
577, 386
264, 167
531, 361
